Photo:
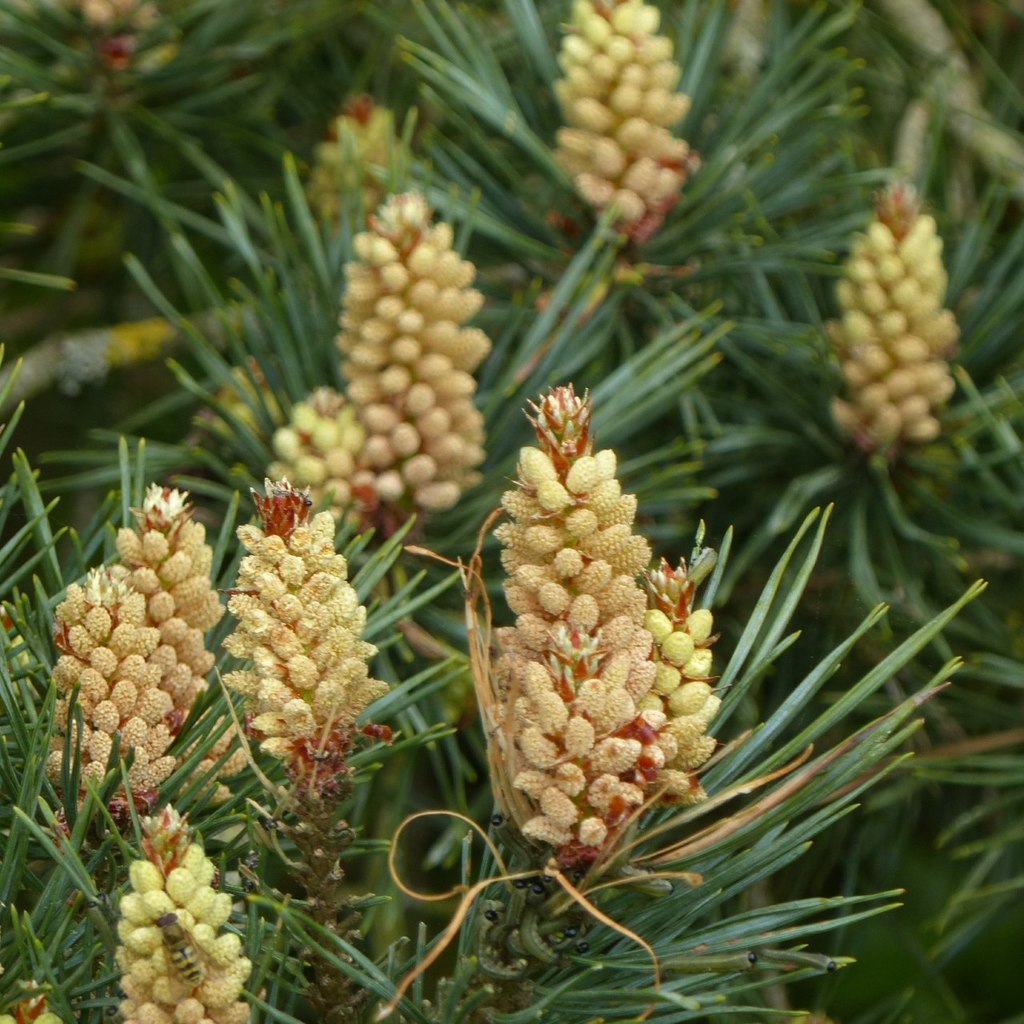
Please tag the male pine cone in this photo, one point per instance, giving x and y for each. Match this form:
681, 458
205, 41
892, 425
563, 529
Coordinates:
132, 638
409, 362
319, 447
107, 647
177, 966
299, 629
893, 337
591, 737
359, 139
619, 100
169, 562
682, 656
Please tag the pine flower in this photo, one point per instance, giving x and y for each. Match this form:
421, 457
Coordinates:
30, 1010
894, 336
409, 364
319, 447
176, 968
682, 654
576, 672
618, 98
299, 625
169, 562
360, 137
107, 649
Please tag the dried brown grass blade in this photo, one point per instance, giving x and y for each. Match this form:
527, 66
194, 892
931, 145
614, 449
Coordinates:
465, 903
552, 871
712, 803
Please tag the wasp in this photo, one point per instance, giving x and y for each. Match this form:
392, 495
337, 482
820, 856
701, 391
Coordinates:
182, 949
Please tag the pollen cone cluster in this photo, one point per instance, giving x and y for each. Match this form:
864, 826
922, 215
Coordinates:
894, 337
299, 627
319, 447
682, 655
360, 137
169, 563
132, 638
576, 672
178, 966
619, 101
409, 362
107, 648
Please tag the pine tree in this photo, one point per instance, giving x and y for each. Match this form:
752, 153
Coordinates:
514, 510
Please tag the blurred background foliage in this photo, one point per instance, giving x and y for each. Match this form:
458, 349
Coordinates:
153, 177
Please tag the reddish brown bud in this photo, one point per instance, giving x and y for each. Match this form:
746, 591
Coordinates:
283, 509
562, 423
897, 207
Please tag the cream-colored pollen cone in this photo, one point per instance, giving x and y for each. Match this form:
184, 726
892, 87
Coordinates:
361, 136
178, 965
618, 97
169, 562
299, 629
894, 337
409, 363
107, 650
576, 672
682, 688
319, 448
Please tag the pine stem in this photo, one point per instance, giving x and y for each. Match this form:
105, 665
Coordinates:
321, 841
